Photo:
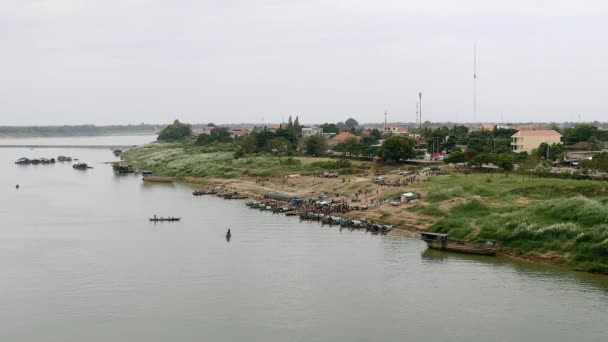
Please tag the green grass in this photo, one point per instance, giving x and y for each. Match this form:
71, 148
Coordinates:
567, 217
217, 160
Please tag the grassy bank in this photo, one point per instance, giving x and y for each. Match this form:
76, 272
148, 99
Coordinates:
217, 161
555, 220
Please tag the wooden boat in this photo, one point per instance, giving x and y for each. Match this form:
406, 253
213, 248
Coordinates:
164, 219
158, 179
441, 241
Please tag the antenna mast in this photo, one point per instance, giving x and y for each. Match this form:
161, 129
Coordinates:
475, 81
417, 119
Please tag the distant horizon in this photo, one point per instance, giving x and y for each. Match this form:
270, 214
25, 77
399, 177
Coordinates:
259, 124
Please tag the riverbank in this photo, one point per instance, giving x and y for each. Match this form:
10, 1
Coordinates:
553, 221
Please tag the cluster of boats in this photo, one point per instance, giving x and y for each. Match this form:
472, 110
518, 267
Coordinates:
201, 192
290, 210
218, 191
274, 206
362, 223
36, 161
81, 166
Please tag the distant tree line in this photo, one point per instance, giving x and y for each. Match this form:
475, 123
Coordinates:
76, 130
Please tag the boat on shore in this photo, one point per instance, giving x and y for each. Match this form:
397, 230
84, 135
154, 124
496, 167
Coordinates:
442, 242
151, 178
164, 219
201, 192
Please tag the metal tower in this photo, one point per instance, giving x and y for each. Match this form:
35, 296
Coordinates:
385, 116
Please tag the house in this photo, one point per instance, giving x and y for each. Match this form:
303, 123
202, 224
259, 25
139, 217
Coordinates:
204, 130
526, 141
396, 129
239, 132
310, 131
342, 137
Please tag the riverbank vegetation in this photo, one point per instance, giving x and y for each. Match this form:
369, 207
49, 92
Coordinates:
556, 220
185, 159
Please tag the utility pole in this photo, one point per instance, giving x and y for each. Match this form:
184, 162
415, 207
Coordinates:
420, 111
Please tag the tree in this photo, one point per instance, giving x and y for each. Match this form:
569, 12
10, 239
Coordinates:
350, 123
369, 140
278, 145
249, 143
482, 158
220, 132
554, 151
175, 131
456, 157
582, 132
217, 134
289, 123
296, 126
376, 134
315, 145
505, 161
350, 147
397, 148
528, 166
330, 128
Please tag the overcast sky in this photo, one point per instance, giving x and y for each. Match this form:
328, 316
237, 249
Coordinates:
230, 61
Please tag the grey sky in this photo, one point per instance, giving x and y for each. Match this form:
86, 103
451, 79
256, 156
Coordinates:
132, 61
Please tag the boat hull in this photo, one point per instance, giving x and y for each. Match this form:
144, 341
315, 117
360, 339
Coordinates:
463, 247
158, 179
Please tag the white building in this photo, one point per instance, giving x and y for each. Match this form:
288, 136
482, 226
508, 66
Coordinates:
310, 131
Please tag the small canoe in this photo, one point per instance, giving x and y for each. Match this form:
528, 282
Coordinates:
164, 219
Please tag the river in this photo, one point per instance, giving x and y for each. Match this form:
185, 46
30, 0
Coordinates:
80, 261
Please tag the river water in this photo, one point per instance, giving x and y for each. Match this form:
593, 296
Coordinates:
81, 262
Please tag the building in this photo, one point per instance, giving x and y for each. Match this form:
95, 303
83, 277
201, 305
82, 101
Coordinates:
310, 131
396, 129
526, 141
482, 127
342, 137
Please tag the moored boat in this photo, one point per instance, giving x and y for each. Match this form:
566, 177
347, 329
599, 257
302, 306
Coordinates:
23, 161
441, 241
150, 178
81, 166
